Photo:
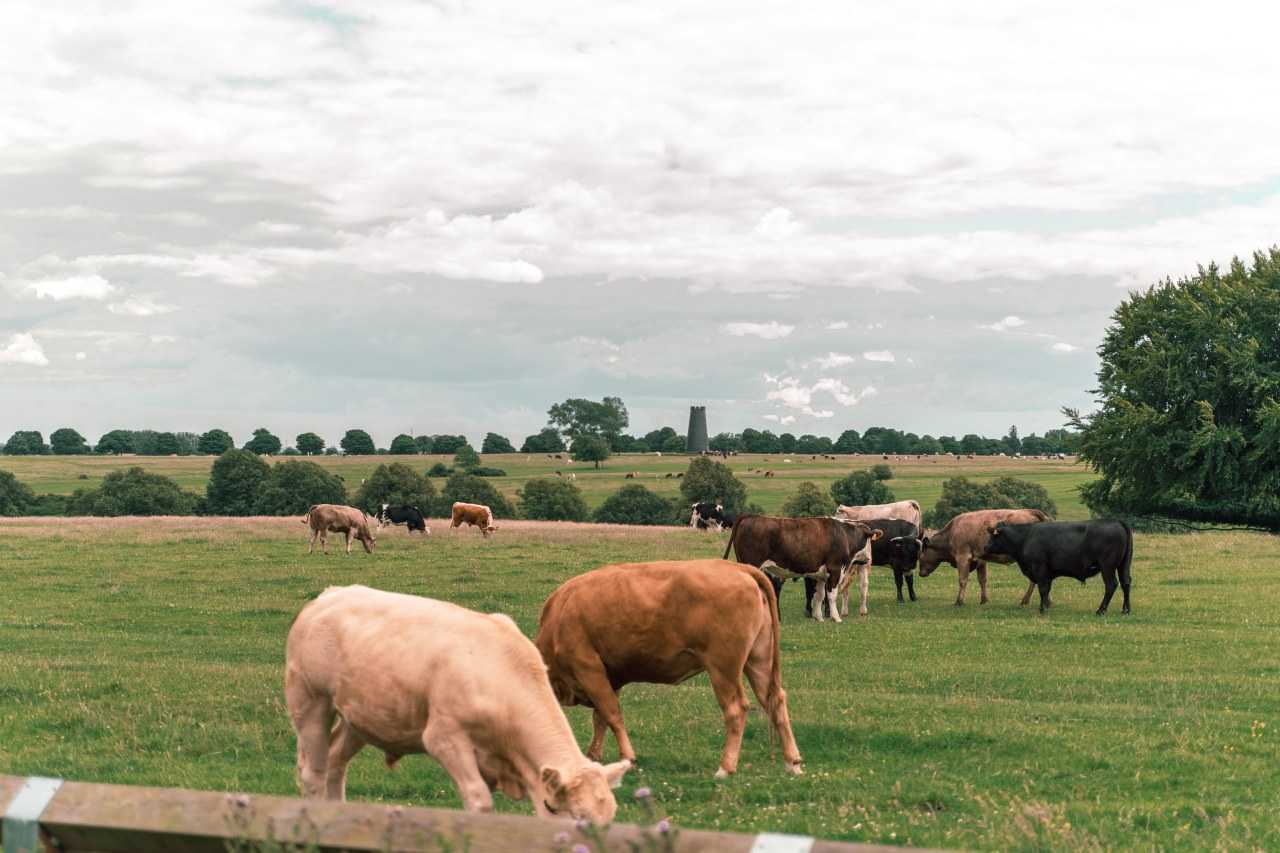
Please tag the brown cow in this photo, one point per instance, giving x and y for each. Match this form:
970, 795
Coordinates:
477, 515
408, 675
335, 518
819, 548
663, 623
768, 473
963, 544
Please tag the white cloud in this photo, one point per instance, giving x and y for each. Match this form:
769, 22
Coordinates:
791, 393
1062, 346
878, 355
1005, 325
72, 287
783, 420
770, 331
778, 224
832, 360
81, 356
837, 325
139, 306
23, 349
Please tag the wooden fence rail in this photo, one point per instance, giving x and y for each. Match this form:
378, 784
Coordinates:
50, 815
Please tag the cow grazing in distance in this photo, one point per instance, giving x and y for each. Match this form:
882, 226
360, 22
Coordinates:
962, 542
820, 548
1060, 549
335, 518
711, 516
768, 473
410, 516
663, 623
905, 510
410, 675
477, 515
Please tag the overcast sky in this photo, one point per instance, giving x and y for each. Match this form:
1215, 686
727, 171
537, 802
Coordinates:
443, 217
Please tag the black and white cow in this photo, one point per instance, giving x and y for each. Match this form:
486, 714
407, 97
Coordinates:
710, 516
898, 548
409, 516
1058, 549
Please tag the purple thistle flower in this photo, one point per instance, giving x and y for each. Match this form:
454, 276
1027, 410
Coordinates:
580, 848
663, 827
562, 838
581, 824
643, 793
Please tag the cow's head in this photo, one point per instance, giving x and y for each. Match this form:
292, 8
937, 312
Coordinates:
931, 556
585, 794
366, 537
905, 551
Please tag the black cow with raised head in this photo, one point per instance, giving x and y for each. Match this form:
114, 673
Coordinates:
711, 516
1059, 549
898, 548
409, 516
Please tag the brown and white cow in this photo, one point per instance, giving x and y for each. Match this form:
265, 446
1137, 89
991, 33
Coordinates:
819, 548
963, 544
477, 515
905, 510
335, 518
410, 675
663, 623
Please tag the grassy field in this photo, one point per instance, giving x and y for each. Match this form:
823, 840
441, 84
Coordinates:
918, 479
149, 651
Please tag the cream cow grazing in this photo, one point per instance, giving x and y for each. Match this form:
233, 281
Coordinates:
335, 518
410, 675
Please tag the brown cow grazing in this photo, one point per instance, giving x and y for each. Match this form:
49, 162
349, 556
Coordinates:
477, 515
409, 675
663, 623
963, 544
334, 518
819, 548
905, 510
768, 473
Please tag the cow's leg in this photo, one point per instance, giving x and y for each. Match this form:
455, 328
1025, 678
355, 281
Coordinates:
897, 581
312, 717
447, 743
1031, 587
347, 534
810, 585
604, 700
599, 728
1126, 578
1045, 586
312, 548
777, 591
1108, 581
911, 585
815, 603
343, 747
324, 541
864, 578
962, 569
982, 581
733, 702
843, 594
759, 671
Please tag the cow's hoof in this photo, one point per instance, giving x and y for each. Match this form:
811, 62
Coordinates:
1124, 612
1101, 611
795, 769
862, 613
722, 773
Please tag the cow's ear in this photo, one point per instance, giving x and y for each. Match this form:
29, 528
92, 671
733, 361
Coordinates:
924, 542
551, 780
613, 772
991, 530
875, 534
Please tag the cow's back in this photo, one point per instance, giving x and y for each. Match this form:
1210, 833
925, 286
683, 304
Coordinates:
789, 542
969, 531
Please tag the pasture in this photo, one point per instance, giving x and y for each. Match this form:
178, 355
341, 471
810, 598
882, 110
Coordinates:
917, 479
149, 651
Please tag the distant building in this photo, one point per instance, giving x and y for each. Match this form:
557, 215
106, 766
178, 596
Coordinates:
697, 441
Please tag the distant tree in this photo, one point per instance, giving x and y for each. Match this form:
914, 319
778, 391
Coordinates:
166, 444
117, 441
674, 444
590, 448
882, 472
1010, 443
309, 444
848, 442
929, 444
625, 443
949, 444
708, 480
290, 451
466, 458
552, 499
811, 444
187, 442
293, 486
634, 504
215, 442
423, 443
357, 442
577, 417
263, 443
754, 441
656, 438
860, 488
439, 470
725, 442
960, 494
472, 489
807, 500
68, 442
331, 451
494, 443
16, 498
133, 492
786, 443
235, 480
26, 443
447, 444
403, 445
396, 484
546, 441
972, 444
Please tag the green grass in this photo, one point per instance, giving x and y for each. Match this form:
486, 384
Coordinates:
150, 652
920, 480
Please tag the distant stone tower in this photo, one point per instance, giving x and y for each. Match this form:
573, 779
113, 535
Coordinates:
697, 440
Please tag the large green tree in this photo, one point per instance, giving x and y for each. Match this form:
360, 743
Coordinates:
117, 441
263, 442
546, 441
309, 444
403, 445
16, 497
26, 443
1188, 417
398, 484
293, 486
494, 443
68, 442
357, 441
576, 416
708, 480
235, 480
215, 442
590, 448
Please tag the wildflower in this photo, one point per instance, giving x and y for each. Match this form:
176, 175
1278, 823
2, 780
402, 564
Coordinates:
643, 793
580, 848
663, 827
581, 824
562, 838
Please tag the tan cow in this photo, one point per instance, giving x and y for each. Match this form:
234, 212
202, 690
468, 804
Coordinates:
477, 515
963, 544
663, 623
410, 675
335, 518
905, 510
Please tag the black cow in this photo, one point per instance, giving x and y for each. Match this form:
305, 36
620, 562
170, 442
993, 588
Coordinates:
707, 516
1080, 550
898, 548
409, 516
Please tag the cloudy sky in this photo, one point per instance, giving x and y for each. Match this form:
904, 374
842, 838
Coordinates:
444, 216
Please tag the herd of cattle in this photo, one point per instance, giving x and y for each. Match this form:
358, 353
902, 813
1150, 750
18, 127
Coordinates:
406, 674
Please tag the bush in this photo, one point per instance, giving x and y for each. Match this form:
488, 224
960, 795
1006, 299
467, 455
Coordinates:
396, 483
882, 472
133, 492
215, 442
473, 490
294, 486
808, 500
708, 480
439, 470
234, 483
48, 505
546, 441
860, 488
466, 458
16, 498
447, 443
634, 504
309, 444
552, 499
960, 494
494, 443
484, 471
167, 444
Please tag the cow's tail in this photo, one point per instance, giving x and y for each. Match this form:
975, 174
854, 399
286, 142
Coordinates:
773, 695
1126, 565
733, 536
306, 516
